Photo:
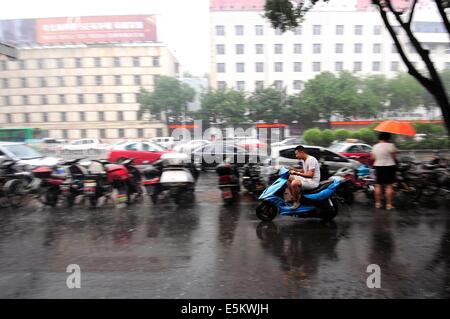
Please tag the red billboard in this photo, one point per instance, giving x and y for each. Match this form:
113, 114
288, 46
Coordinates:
136, 28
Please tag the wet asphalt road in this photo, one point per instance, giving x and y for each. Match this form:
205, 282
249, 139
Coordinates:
212, 251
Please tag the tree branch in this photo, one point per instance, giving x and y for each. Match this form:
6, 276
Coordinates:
441, 10
412, 12
411, 69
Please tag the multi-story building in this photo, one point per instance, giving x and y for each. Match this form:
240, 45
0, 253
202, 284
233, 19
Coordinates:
83, 90
247, 53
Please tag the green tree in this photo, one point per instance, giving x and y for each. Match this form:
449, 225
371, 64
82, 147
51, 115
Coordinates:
286, 14
405, 93
228, 106
313, 136
373, 95
342, 134
169, 95
268, 104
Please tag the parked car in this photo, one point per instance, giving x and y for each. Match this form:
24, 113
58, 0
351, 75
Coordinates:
167, 142
288, 141
354, 150
246, 142
142, 152
85, 144
51, 145
285, 156
188, 147
209, 156
26, 155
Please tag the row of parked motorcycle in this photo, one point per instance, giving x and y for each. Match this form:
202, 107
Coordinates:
89, 180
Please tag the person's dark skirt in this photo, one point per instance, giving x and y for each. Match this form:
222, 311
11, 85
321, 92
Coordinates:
385, 174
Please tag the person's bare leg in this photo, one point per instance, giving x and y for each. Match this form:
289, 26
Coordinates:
296, 185
291, 189
389, 192
378, 195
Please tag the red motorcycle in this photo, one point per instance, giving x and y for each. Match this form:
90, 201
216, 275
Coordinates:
51, 180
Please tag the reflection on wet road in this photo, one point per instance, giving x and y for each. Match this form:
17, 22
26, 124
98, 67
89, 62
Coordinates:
212, 251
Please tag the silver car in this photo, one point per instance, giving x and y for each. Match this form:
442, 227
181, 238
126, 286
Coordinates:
26, 155
285, 156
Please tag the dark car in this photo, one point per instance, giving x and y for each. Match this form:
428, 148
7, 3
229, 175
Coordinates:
209, 156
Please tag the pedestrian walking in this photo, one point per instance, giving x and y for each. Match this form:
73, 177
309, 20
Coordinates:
384, 156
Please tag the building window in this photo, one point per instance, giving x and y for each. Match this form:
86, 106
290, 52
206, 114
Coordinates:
339, 29
377, 48
80, 99
6, 101
136, 61
116, 62
221, 85
97, 62
259, 67
23, 82
259, 85
140, 132
259, 48
159, 132
5, 84
44, 100
83, 133
240, 67
259, 30
357, 66
42, 82
79, 80
3, 65
297, 66
8, 118
358, 29
156, 62
41, 64
376, 66
317, 48
297, 48
21, 64
119, 98
100, 98
338, 66
82, 117
240, 85
62, 99
278, 66
298, 85
26, 117
358, 47
220, 49
121, 132
61, 81
317, 29
102, 132
120, 116
278, 48
316, 66
101, 116
339, 48
394, 48
60, 63
377, 29
298, 30
25, 100
137, 80
45, 117
78, 63
65, 134
278, 32
278, 85
63, 117
220, 30
98, 80
239, 29
117, 80
239, 49
394, 66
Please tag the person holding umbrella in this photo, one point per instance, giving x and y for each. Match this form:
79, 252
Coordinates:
384, 156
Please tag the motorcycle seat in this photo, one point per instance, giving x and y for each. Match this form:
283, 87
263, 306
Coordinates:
322, 185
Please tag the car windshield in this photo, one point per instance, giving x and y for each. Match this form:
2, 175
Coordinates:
339, 147
23, 151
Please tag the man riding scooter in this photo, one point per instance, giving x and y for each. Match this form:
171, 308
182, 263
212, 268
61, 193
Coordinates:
306, 178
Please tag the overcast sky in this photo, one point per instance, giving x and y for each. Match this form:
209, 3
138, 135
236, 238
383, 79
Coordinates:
183, 24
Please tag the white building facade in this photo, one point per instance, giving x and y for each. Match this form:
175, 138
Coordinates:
247, 53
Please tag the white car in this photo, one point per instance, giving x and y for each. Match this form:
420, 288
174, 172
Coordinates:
288, 141
188, 147
167, 142
85, 144
26, 155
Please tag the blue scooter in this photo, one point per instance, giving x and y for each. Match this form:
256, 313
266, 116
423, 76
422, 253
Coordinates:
316, 203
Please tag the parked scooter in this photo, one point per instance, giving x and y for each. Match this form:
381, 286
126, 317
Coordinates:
228, 182
252, 179
176, 179
135, 190
51, 180
317, 203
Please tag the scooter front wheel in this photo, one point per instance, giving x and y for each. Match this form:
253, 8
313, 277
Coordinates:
266, 211
329, 213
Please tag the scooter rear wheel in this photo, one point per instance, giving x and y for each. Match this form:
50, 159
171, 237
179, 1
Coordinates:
266, 211
330, 212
